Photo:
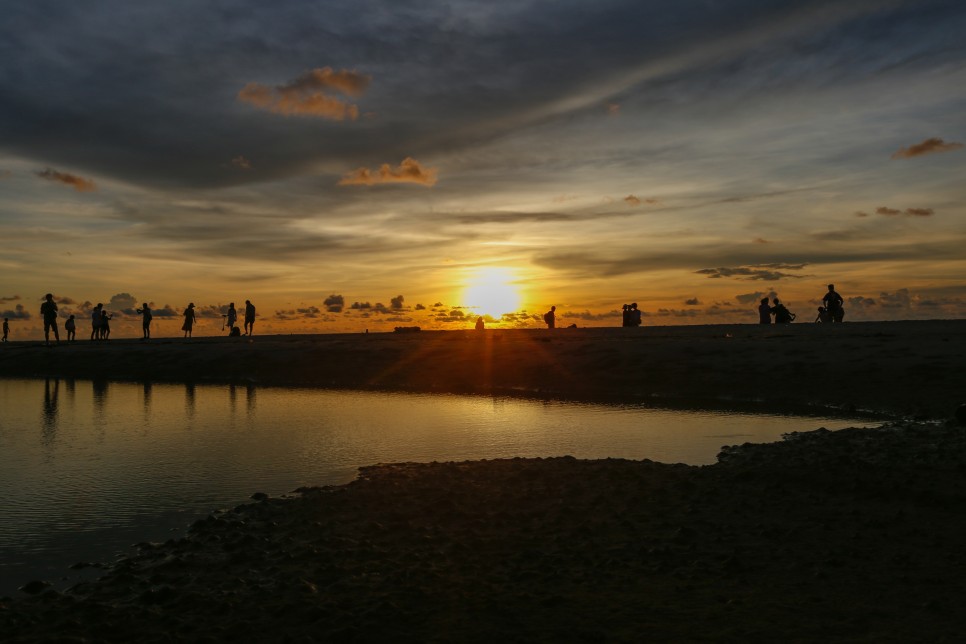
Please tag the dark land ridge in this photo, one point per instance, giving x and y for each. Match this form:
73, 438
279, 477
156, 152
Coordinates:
847, 536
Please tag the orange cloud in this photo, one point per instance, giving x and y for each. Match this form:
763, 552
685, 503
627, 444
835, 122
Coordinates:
919, 212
310, 94
77, 183
409, 171
633, 200
929, 146
760, 240
912, 212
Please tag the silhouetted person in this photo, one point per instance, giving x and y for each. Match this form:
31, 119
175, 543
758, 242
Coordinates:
764, 312
146, 317
834, 303
550, 317
823, 315
249, 318
231, 317
106, 325
782, 314
479, 324
49, 312
6, 329
634, 314
626, 315
189, 319
71, 327
96, 322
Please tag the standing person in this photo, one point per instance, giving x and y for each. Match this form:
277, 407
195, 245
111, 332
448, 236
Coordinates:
96, 322
782, 314
249, 318
6, 329
635, 314
834, 304
71, 327
626, 315
106, 325
49, 312
146, 317
764, 312
479, 324
189, 319
231, 317
550, 317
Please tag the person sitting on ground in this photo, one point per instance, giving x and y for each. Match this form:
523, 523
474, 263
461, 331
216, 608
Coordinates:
49, 312
550, 317
71, 327
764, 312
834, 303
782, 314
823, 315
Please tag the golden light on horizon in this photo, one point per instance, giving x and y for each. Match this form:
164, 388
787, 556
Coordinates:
492, 291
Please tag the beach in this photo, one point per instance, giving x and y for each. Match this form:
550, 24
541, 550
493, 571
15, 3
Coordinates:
852, 535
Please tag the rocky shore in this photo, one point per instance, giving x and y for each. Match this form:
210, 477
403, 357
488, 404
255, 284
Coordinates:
848, 536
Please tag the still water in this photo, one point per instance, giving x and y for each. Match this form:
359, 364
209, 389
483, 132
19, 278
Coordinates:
89, 468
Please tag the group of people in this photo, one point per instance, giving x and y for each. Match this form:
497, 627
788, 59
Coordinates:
831, 311
631, 315
101, 326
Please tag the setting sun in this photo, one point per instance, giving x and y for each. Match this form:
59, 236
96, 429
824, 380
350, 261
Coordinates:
491, 291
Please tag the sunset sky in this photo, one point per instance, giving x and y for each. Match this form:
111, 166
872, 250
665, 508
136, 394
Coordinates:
376, 164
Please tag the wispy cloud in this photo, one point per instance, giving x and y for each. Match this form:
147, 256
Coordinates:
929, 146
910, 212
765, 272
241, 162
310, 94
409, 171
77, 183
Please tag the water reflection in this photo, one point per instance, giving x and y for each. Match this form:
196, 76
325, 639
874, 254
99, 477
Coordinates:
99, 390
189, 400
146, 399
49, 412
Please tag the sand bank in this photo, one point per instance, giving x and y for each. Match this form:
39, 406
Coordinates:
902, 368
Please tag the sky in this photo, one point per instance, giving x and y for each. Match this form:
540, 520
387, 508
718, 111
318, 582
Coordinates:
367, 165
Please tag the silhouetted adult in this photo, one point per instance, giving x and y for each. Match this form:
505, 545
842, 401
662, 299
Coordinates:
834, 304
6, 329
231, 317
550, 317
479, 324
782, 314
146, 317
96, 322
634, 314
764, 312
626, 315
189, 319
249, 318
49, 312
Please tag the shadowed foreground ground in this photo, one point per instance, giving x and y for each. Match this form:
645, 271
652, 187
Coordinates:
827, 536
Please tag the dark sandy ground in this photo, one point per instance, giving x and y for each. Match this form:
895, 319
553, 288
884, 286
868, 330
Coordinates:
842, 536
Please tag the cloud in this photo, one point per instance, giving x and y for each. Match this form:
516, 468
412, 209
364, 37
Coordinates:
749, 298
587, 316
692, 302
241, 162
766, 272
334, 303
859, 213
17, 313
397, 302
929, 146
77, 183
310, 312
360, 306
308, 95
614, 109
633, 200
760, 240
420, 307
9, 298
166, 311
911, 212
409, 171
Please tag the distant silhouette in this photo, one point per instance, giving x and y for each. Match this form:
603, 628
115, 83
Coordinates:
764, 312
106, 325
550, 317
6, 329
71, 327
479, 324
782, 314
49, 312
230, 318
834, 303
626, 315
189, 319
96, 322
235, 332
146, 317
634, 314
249, 318
823, 315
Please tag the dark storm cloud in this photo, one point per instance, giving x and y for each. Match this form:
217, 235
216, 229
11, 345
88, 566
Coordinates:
148, 95
765, 272
929, 146
18, 312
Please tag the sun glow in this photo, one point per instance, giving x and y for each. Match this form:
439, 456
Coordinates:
491, 291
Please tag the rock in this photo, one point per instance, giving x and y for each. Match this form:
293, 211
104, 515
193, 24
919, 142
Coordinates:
34, 587
259, 496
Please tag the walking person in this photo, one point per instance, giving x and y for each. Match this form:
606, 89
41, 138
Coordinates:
189, 319
834, 305
249, 318
96, 322
231, 317
49, 312
146, 317
550, 317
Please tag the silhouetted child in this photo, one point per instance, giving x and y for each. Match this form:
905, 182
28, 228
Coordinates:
823, 315
106, 325
6, 329
71, 327
764, 312
479, 324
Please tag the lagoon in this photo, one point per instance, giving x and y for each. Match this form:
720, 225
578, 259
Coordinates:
89, 468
